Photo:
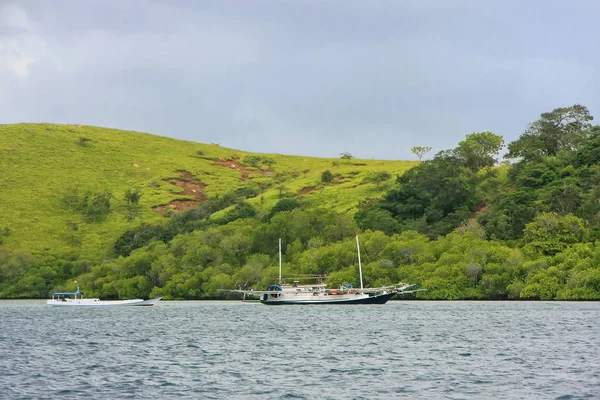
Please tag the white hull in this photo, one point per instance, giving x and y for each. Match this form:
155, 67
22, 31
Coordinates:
101, 303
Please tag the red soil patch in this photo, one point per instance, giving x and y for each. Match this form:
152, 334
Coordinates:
191, 187
234, 164
306, 190
481, 209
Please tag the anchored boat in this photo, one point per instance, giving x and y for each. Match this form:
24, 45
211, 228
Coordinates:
66, 299
319, 294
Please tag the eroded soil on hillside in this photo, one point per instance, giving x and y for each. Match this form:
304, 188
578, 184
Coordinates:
191, 187
235, 164
306, 190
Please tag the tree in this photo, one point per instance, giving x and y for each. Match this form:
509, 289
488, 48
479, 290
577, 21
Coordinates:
95, 206
420, 151
286, 204
132, 207
132, 196
550, 233
241, 210
563, 128
380, 177
283, 190
589, 153
563, 196
71, 197
84, 142
346, 156
268, 161
477, 151
506, 219
251, 161
370, 216
4, 232
442, 191
327, 176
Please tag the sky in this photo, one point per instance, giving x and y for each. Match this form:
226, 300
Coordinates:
313, 78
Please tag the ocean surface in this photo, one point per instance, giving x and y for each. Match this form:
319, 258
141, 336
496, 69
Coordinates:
234, 350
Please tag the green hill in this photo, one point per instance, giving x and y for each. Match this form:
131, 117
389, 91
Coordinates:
130, 215
49, 169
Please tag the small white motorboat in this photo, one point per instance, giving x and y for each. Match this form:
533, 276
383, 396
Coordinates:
66, 299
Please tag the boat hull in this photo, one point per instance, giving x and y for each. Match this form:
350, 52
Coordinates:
376, 299
102, 303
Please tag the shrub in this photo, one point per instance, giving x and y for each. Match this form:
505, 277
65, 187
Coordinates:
327, 176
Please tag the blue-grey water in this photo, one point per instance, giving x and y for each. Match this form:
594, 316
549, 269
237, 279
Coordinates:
234, 350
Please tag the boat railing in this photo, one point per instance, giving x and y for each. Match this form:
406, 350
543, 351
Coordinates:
297, 278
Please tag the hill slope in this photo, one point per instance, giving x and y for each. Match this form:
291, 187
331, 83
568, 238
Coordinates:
44, 166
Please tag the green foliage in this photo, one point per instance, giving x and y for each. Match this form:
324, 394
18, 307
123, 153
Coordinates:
371, 216
241, 210
563, 128
4, 232
139, 237
95, 206
440, 192
84, 142
477, 151
379, 177
247, 191
258, 161
420, 151
251, 161
327, 176
132, 196
550, 233
589, 153
156, 166
346, 156
453, 224
286, 204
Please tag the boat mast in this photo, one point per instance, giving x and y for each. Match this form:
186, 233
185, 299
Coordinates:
359, 265
280, 261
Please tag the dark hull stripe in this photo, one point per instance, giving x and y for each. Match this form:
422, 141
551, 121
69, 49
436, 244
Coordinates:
377, 299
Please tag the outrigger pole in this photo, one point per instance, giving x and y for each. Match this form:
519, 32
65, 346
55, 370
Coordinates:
359, 266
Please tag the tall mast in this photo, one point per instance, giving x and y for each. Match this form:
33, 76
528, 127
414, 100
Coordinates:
280, 261
359, 265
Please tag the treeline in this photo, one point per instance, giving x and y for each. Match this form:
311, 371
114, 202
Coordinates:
458, 224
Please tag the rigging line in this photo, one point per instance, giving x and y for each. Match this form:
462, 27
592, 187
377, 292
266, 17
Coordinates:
366, 258
364, 252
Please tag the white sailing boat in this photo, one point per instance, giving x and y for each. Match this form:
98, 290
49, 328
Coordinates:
319, 294
76, 299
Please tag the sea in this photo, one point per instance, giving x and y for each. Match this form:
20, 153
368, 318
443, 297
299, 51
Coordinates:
235, 350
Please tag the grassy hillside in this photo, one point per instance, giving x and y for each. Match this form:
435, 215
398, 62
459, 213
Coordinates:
41, 165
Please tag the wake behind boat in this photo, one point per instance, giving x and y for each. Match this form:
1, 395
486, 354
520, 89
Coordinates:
74, 299
319, 294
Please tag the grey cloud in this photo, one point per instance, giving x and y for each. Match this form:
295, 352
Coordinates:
298, 77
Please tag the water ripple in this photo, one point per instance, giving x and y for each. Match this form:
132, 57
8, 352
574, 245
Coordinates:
216, 350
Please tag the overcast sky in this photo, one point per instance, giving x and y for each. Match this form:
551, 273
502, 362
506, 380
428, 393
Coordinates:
316, 78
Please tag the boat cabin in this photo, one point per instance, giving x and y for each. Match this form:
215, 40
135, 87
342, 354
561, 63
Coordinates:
63, 296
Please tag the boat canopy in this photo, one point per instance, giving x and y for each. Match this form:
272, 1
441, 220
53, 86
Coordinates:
68, 293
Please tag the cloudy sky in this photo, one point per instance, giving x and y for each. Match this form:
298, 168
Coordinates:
307, 77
